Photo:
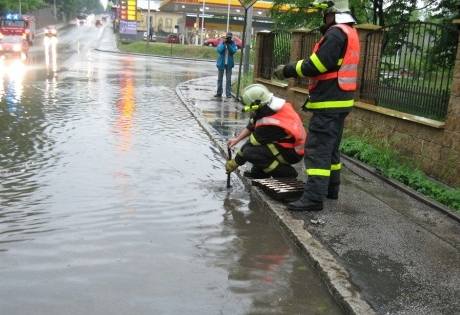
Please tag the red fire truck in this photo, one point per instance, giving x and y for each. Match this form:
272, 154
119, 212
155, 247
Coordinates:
18, 25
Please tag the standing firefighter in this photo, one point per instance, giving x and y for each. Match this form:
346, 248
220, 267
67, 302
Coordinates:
276, 136
333, 69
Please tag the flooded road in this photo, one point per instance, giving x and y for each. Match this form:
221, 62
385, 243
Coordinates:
113, 199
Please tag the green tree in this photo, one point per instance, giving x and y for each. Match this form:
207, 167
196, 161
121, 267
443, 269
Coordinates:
71, 8
379, 12
13, 5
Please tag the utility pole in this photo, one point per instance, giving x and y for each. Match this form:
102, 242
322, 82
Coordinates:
20, 7
54, 9
246, 4
228, 15
247, 47
149, 36
202, 23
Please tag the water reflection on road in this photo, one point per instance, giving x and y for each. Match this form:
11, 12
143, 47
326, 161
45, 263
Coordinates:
113, 200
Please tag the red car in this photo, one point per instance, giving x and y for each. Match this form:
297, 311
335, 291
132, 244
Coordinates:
214, 42
172, 39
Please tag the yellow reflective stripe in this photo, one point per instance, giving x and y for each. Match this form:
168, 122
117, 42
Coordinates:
274, 150
253, 140
314, 58
271, 167
330, 104
298, 68
336, 167
339, 63
281, 159
318, 172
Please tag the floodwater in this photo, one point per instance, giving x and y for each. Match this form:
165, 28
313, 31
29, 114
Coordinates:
113, 199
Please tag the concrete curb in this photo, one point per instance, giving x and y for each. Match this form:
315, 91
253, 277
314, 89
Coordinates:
335, 276
352, 163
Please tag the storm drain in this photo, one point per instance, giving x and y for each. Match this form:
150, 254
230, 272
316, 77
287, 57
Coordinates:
284, 190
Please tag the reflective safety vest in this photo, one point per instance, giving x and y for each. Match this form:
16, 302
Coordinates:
347, 75
287, 119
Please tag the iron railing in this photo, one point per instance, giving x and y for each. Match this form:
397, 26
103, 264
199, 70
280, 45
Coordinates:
408, 67
281, 48
275, 50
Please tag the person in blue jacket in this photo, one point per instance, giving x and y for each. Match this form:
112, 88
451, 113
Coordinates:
226, 50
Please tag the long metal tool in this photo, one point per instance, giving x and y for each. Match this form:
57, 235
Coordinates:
229, 151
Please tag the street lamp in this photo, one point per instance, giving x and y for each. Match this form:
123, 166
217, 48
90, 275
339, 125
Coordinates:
202, 23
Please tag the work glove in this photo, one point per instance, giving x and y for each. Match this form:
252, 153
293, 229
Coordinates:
230, 166
279, 73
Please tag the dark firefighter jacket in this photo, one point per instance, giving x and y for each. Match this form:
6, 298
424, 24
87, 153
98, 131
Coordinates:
329, 55
267, 134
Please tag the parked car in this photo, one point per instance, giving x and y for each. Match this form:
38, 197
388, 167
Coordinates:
214, 42
173, 39
153, 39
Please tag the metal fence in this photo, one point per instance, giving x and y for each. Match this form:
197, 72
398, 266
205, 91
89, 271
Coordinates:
275, 50
282, 48
408, 67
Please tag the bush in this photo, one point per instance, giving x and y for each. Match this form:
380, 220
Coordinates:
387, 161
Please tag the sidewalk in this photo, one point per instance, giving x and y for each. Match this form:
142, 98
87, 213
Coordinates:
377, 247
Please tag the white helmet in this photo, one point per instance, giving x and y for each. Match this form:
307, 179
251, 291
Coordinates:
339, 7
255, 96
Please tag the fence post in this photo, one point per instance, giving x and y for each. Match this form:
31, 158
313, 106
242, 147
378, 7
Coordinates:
372, 61
453, 109
297, 40
296, 44
296, 50
258, 53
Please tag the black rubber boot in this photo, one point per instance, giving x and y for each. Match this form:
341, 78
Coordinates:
333, 193
256, 173
284, 171
305, 205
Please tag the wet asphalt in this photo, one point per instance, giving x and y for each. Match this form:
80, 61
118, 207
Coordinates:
113, 198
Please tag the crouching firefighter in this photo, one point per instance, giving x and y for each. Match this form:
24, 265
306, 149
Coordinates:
333, 70
276, 136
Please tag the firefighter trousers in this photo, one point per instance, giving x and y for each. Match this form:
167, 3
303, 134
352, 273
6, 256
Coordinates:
265, 159
322, 155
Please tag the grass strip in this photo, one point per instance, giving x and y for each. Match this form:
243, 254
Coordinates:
246, 79
387, 161
175, 50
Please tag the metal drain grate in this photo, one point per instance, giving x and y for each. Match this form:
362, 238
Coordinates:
280, 189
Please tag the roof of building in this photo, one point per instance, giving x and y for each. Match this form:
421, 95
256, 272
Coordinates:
234, 3
144, 4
